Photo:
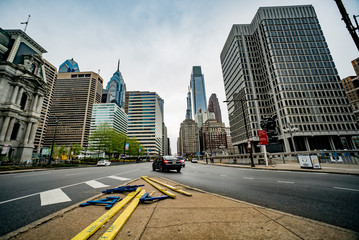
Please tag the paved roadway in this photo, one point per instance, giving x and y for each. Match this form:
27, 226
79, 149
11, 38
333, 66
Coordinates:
330, 198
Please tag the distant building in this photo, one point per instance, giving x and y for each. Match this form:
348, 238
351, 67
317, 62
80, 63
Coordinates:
144, 110
116, 89
70, 65
213, 138
51, 78
351, 87
74, 96
213, 106
188, 141
111, 114
23, 88
280, 64
230, 148
189, 105
198, 90
202, 117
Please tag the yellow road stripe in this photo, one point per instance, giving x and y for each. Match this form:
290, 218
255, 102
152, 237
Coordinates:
163, 190
170, 187
93, 227
121, 220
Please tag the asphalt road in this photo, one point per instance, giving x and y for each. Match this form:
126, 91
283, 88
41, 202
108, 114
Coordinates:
329, 198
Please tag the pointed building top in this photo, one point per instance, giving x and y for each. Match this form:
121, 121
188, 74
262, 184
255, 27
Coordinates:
118, 65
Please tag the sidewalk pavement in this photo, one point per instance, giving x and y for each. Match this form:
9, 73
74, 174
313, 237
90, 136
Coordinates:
290, 166
202, 216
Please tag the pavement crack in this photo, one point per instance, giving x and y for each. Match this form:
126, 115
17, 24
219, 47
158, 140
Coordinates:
144, 229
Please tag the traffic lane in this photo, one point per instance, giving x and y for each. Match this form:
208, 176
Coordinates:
17, 185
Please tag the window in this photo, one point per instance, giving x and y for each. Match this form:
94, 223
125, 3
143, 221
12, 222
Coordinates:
23, 101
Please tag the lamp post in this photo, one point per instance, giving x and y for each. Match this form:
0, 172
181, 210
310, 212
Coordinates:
289, 128
246, 127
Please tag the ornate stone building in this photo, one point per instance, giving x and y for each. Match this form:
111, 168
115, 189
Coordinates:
22, 91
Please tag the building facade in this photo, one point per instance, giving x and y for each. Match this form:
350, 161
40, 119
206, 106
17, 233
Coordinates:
51, 78
144, 110
188, 141
189, 105
111, 114
116, 89
213, 106
198, 90
213, 138
70, 65
22, 90
351, 87
71, 109
280, 64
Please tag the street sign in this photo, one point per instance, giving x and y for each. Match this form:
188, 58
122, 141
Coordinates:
5, 148
127, 145
263, 139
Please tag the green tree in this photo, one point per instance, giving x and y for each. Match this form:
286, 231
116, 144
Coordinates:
74, 150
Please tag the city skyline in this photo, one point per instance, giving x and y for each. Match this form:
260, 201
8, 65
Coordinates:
159, 42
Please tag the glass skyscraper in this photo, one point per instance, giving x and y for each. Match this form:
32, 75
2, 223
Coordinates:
116, 88
198, 90
282, 60
70, 65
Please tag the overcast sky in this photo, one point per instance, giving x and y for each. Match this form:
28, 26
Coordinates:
158, 42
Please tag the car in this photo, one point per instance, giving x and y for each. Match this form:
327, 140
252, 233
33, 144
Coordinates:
183, 161
104, 162
166, 163
194, 160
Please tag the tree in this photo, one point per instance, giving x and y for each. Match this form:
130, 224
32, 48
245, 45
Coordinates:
74, 150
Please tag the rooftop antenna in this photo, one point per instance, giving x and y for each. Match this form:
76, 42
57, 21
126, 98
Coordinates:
99, 72
118, 65
27, 22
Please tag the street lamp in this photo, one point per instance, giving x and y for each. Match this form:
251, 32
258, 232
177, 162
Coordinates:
289, 128
246, 127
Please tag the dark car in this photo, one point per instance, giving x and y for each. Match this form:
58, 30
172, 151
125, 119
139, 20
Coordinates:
183, 161
167, 163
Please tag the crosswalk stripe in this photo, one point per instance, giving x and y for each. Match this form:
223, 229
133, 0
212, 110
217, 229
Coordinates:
119, 178
95, 184
53, 196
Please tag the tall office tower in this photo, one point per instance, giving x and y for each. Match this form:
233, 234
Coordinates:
189, 105
70, 114
283, 60
188, 141
164, 140
198, 90
213, 106
213, 137
51, 78
116, 88
145, 119
22, 90
351, 87
70, 65
111, 114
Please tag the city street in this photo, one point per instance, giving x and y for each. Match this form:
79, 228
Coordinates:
329, 198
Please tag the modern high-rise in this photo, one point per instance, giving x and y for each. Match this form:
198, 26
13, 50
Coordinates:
70, 65
189, 105
51, 78
280, 64
74, 96
213, 106
188, 141
198, 90
22, 90
111, 114
116, 88
145, 121
351, 87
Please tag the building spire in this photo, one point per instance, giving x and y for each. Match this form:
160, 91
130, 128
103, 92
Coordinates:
118, 65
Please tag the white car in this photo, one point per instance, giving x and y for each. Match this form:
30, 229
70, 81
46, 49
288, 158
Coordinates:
104, 163
194, 160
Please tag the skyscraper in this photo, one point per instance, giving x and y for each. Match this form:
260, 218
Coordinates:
116, 88
280, 65
145, 120
70, 65
198, 90
74, 96
188, 141
213, 106
189, 105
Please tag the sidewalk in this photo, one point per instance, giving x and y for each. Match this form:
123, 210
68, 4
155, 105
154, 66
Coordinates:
326, 167
201, 216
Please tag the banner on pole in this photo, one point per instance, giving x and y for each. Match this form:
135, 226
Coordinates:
262, 135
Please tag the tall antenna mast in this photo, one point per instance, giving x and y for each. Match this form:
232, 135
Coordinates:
27, 22
118, 65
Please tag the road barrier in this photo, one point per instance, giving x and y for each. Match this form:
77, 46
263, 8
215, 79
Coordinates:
161, 189
92, 228
171, 187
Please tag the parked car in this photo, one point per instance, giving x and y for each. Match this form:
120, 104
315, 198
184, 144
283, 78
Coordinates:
104, 162
183, 161
166, 163
194, 160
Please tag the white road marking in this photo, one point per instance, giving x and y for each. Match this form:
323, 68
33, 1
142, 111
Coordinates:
72, 174
95, 184
71, 185
348, 189
31, 175
223, 175
120, 178
53, 196
207, 173
248, 178
285, 182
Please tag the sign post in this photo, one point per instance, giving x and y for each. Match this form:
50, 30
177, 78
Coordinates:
263, 141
